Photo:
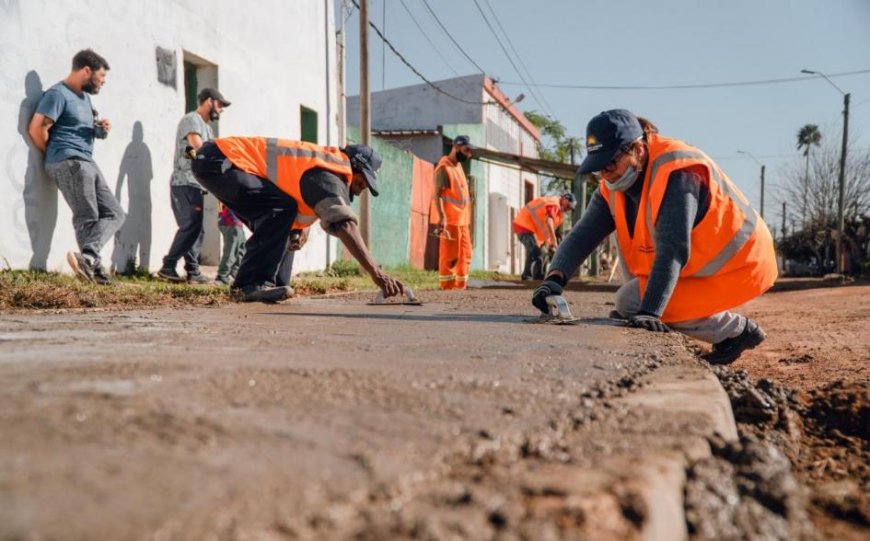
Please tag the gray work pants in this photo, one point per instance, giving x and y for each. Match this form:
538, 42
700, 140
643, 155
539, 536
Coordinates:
97, 215
711, 329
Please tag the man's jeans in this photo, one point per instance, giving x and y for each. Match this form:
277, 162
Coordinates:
187, 205
97, 215
534, 267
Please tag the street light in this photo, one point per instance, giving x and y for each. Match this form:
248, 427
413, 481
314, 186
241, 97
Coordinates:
842, 179
761, 210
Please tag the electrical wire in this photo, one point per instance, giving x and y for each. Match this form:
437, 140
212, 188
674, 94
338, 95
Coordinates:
461, 50
416, 72
535, 91
425, 35
705, 85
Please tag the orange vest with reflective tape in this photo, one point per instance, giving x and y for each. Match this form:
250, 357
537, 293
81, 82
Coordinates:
283, 162
533, 217
732, 259
455, 197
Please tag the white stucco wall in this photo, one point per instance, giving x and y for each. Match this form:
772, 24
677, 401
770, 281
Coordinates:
272, 57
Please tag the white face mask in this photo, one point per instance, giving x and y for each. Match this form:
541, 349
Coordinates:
624, 182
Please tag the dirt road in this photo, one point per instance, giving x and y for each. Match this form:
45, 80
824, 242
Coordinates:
329, 418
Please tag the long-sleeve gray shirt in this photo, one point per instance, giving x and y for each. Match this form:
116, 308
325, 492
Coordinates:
685, 203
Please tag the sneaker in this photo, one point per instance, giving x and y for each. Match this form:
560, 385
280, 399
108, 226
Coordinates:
727, 351
101, 277
170, 275
262, 293
80, 266
198, 278
221, 281
615, 314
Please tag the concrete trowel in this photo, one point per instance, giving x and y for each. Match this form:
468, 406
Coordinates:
560, 312
409, 300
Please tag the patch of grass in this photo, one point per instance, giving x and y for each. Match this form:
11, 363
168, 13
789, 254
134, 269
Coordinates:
34, 290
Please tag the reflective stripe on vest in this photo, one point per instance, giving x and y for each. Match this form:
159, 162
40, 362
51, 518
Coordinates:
740, 238
541, 231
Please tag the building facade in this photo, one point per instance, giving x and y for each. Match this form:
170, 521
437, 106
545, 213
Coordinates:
276, 64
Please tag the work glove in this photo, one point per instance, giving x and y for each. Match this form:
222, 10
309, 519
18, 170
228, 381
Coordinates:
539, 297
650, 322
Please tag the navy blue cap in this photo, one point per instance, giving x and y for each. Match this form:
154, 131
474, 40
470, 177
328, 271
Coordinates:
606, 134
462, 141
572, 201
364, 159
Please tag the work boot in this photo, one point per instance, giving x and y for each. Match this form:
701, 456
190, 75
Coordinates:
169, 275
198, 278
100, 276
261, 293
729, 350
83, 270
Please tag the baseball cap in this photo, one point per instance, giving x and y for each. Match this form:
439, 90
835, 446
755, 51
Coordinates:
462, 141
606, 134
572, 201
364, 159
206, 93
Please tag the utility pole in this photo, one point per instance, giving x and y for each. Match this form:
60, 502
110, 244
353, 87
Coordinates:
842, 178
783, 220
342, 36
841, 203
762, 192
365, 125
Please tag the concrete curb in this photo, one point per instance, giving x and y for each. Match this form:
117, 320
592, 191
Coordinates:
661, 477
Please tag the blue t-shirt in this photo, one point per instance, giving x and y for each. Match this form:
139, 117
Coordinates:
72, 134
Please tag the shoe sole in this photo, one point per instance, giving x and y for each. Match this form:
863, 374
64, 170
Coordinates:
273, 296
173, 279
74, 265
728, 360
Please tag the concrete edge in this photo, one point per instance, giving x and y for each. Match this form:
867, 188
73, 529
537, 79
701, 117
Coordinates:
662, 476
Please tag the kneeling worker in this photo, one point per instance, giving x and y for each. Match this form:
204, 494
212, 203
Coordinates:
536, 225
692, 244
275, 185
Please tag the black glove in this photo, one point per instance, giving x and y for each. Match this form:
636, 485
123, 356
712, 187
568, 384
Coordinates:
539, 297
650, 322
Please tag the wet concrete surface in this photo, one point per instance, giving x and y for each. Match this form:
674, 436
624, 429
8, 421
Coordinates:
329, 418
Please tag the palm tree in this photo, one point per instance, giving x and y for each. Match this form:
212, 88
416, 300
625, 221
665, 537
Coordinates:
807, 137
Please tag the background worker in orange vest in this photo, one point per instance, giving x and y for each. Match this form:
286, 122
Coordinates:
536, 225
452, 205
274, 185
692, 244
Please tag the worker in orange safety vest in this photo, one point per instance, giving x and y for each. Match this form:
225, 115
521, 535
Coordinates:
274, 185
452, 210
537, 224
692, 245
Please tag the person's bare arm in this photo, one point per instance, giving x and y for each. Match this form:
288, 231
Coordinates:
38, 130
551, 231
194, 140
348, 232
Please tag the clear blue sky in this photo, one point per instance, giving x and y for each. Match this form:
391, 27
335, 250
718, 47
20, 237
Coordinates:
651, 43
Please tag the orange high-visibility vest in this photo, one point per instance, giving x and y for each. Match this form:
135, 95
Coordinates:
731, 259
533, 217
283, 162
456, 208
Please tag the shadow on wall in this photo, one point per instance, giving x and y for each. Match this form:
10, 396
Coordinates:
135, 236
40, 193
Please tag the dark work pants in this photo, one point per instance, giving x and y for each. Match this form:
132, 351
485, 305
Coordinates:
285, 269
534, 267
187, 205
267, 211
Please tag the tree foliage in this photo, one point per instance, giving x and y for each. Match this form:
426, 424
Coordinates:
555, 145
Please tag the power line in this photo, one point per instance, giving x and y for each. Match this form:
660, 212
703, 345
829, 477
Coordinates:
416, 72
425, 35
461, 50
537, 95
705, 85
